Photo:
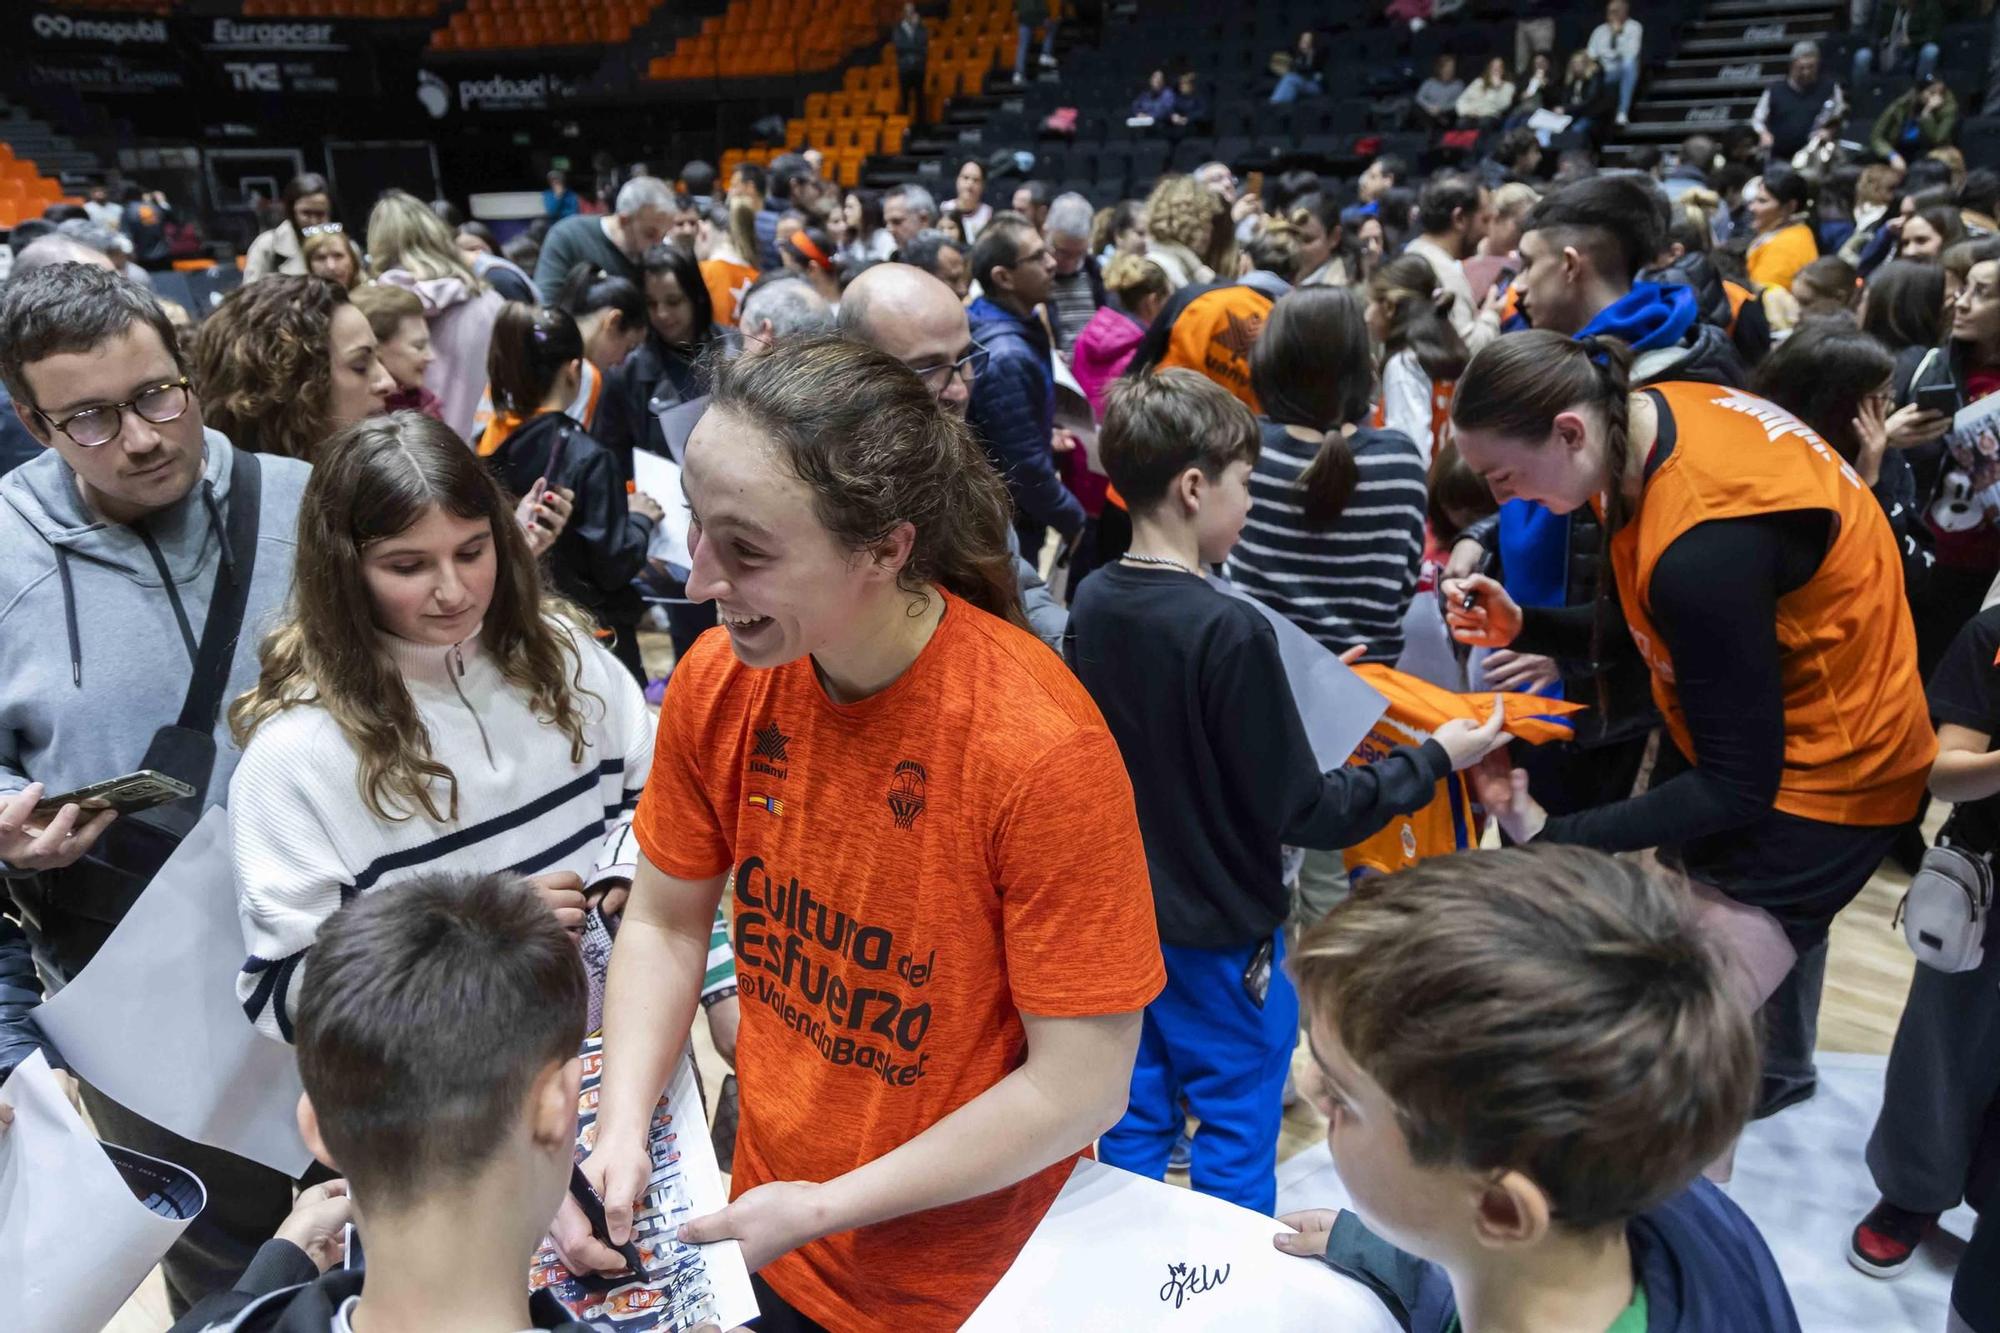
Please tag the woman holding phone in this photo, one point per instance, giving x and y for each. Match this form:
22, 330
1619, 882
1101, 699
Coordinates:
1763, 588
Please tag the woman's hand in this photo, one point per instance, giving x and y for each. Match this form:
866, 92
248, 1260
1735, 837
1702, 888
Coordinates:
1871, 431
1468, 742
1503, 790
1910, 425
769, 1221
1506, 669
318, 1222
1492, 620
1309, 1232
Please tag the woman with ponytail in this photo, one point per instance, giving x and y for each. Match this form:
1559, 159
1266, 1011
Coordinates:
1762, 586
1336, 526
1421, 355
536, 363
903, 789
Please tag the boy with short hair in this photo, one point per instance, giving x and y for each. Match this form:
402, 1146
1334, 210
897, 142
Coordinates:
1528, 1056
1191, 684
438, 1033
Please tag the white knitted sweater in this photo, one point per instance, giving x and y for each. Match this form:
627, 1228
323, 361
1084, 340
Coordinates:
306, 842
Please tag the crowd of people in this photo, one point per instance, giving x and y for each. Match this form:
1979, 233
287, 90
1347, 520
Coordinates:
991, 514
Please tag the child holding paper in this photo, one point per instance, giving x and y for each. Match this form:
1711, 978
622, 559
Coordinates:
1190, 682
1528, 1056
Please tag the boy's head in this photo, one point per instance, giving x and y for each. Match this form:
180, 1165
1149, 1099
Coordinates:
1179, 448
437, 1036
1520, 1043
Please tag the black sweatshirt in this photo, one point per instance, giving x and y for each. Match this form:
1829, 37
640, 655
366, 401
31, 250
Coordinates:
1191, 684
1714, 600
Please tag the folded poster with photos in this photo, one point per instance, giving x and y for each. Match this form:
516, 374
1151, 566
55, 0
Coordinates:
81, 1223
686, 1285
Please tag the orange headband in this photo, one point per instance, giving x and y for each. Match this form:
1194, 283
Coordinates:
804, 245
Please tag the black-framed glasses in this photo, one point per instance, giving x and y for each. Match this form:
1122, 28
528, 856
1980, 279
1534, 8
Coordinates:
94, 426
938, 378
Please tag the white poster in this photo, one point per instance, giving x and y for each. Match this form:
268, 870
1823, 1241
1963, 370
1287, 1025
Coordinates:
80, 1225
660, 477
1119, 1253
154, 1023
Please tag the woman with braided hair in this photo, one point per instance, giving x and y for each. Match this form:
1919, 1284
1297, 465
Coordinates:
1762, 586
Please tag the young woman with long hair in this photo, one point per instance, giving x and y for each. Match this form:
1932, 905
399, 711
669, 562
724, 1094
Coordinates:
307, 202
1420, 354
610, 313
1336, 528
410, 248
727, 246
670, 366
424, 707
902, 788
1763, 588
284, 363
536, 364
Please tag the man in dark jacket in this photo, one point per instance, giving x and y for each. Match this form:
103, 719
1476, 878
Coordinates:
1013, 400
1805, 105
913, 51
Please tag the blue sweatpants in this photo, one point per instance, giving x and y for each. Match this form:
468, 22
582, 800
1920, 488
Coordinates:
1206, 1040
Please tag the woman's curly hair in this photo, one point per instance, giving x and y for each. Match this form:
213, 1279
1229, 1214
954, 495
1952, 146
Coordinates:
1181, 209
263, 365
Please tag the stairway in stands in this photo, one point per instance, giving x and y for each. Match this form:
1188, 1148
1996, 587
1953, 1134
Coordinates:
1725, 60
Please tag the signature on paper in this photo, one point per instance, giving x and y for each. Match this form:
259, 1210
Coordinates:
1185, 1280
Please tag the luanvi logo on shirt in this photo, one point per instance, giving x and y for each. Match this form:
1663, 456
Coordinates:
906, 793
767, 753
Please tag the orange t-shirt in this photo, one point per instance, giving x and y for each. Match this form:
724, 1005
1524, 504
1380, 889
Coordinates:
1858, 739
1214, 335
911, 874
726, 281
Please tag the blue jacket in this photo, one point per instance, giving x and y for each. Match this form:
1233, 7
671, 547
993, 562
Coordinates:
1013, 412
1702, 1263
555, 210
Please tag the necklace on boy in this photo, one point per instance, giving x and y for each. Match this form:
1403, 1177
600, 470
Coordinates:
1162, 561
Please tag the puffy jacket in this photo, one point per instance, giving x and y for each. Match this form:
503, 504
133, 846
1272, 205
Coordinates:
1013, 412
1694, 271
1103, 349
20, 993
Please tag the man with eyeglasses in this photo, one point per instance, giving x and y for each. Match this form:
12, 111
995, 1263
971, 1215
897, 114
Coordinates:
914, 317
116, 546
1014, 399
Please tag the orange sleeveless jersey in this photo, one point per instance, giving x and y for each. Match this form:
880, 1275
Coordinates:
1416, 709
726, 281
1858, 739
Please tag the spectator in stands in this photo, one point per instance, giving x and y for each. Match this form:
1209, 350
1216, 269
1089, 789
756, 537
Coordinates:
101, 209
1031, 201
1495, 260
907, 210
330, 255
1535, 89
1585, 97
615, 242
1013, 398
307, 202
697, 180
667, 368
1179, 219
403, 343
863, 235
942, 257
1123, 231
1783, 241
1028, 16
1155, 101
1690, 168
144, 218
1900, 26
1077, 289
1385, 173
969, 207
913, 51
1437, 96
1190, 103
1516, 156
1487, 98
558, 200
1915, 123
1304, 77
1323, 261
1453, 213
1804, 107
1827, 289
808, 253
787, 169
1928, 232
728, 267
1418, 352
285, 363
1614, 44
410, 248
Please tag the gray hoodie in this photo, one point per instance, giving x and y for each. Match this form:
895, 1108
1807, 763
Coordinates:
93, 659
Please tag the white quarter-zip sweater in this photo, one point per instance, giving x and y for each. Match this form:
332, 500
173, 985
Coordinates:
306, 842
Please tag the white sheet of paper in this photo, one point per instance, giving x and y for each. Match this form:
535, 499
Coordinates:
1337, 706
1075, 415
1103, 1259
75, 1241
701, 1175
154, 1023
660, 477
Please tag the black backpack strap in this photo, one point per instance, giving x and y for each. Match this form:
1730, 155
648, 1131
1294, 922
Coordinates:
224, 625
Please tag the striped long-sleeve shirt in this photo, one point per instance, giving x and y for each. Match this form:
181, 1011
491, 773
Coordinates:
1350, 581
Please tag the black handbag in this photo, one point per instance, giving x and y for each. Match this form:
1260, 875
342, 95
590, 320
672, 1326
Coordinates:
101, 886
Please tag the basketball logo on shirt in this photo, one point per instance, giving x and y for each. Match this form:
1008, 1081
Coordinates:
767, 754
906, 793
